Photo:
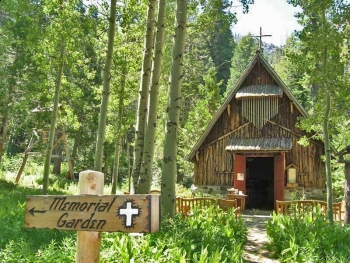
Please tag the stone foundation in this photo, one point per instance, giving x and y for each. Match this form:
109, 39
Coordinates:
301, 193
215, 190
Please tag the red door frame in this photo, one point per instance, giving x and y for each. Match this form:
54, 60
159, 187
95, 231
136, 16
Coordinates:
240, 171
279, 167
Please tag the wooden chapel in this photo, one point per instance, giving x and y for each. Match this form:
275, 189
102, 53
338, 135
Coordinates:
251, 143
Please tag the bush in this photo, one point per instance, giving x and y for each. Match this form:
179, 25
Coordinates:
19, 244
307, 239
187, 181
208, 236
13, 163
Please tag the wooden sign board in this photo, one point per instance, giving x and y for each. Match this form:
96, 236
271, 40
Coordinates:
105, 213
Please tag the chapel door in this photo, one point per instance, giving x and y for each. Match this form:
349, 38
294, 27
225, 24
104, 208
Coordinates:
240, 173
279, 167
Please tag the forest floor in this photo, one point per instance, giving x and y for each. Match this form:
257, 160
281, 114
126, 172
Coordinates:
255, 249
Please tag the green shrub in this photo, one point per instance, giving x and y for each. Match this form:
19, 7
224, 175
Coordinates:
208, 236
308, 239
187, 181
19, 244
34, 165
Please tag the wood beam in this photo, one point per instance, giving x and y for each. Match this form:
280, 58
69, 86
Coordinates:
286, 129
226, 135
25, 158
293, 132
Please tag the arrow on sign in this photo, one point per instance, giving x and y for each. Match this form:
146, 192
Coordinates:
32, 211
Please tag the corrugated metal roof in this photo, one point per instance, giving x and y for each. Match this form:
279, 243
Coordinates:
259, 144
257, 57
267, 90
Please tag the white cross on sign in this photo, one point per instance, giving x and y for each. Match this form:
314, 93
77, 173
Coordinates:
129, 212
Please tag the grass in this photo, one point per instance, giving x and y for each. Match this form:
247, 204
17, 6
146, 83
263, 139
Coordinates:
19, 244
308, 239
208, 236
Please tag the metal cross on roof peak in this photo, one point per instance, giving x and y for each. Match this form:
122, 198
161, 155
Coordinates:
261, 36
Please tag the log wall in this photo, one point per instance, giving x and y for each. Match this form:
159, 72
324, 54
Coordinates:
214, 165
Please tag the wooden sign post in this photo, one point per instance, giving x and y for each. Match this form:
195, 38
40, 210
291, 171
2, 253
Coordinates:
89, 243
91, 214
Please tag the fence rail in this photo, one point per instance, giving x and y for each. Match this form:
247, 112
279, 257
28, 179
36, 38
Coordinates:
306, 206
186, 206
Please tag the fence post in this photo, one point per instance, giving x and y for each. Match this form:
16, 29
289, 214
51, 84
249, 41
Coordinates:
88, 243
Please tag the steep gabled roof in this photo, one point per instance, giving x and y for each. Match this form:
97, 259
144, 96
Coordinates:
256, 58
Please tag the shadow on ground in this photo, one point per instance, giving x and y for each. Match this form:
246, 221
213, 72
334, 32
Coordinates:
255, 249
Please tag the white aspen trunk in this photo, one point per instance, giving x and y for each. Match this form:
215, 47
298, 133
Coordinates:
144, 184
347, 194
106, 89
3, 134
143, 95
57, 151
173, 113
53, 120
327, 147
69, 161
128, 161
119, 129
328, 160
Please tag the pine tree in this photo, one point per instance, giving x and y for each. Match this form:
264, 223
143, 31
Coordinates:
292, 75
221, 42
243, 53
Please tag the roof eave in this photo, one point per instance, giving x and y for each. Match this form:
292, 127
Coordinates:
259, 151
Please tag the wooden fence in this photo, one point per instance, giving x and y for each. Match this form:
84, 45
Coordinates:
307, 206
186, 206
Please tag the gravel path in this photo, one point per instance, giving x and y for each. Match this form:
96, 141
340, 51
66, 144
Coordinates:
255, 251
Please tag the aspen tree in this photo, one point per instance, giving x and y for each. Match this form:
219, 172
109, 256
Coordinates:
143, 95
144, 184
54, 111
106, 89
173, 112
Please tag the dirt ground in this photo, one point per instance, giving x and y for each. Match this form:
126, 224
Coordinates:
254, 250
